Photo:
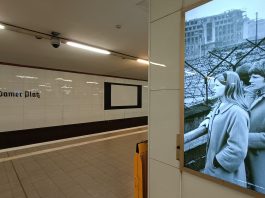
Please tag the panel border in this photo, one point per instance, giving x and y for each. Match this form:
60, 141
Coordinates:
107, 96
180, 143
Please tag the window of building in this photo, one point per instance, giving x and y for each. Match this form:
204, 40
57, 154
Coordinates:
209, 32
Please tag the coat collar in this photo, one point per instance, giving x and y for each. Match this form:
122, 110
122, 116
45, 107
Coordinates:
223, 107
256, 101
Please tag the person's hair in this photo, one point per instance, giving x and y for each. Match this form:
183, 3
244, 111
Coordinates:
242, 71
258, 68
233, 88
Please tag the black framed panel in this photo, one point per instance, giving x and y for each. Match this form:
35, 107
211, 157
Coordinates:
108, 96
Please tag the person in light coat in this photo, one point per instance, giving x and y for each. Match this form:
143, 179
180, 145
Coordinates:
228, 128
255, 161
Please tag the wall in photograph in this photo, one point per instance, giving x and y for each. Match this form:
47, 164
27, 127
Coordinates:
36, 98
224, 91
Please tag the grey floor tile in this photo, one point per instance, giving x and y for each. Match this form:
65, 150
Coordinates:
98, 170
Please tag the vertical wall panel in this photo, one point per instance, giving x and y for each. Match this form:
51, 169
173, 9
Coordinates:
162, 8
163, 39
164, 176
164, 181
164, 124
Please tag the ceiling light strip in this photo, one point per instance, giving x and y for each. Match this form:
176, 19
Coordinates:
87, 47
143, 61
64, 40
2, 27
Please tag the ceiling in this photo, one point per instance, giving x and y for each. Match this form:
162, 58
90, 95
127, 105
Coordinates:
86, 21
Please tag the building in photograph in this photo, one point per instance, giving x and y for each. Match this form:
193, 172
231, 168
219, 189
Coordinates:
204, 34
251, 27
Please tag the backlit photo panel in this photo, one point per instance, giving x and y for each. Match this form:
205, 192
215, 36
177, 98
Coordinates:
224, 92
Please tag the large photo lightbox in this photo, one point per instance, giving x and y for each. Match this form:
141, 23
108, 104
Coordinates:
224, 93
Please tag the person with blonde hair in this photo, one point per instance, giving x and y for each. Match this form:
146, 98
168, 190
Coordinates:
228, 128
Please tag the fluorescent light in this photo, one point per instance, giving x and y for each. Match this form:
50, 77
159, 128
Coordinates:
2, 27
143, 61
86, 47
158, 64
66, 80
92, 83
45, 86
33, 90
28, 77
147, 63
66, 87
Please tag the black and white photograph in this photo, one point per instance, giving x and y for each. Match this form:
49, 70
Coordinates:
224, 92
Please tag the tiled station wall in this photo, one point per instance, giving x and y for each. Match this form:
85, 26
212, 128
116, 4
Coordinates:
65, 98
165, 40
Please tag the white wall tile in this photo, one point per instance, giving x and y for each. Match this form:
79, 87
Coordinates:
11, 117
14, 87
164, 39
164, 125
69, 97
133, 114
97, 113
33, 75
71, 78
34, 116
30, 97
65, 98
9, 74
195, 186
71, 114
53, 115
162, 8
164, 180
82, 93
114, 114
53, 95
83, 113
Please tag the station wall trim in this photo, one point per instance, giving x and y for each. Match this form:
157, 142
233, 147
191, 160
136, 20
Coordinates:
31, 136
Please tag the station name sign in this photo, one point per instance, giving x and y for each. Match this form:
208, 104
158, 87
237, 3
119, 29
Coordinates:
19, 94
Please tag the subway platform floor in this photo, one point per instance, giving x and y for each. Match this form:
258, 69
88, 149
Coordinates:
93, 166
